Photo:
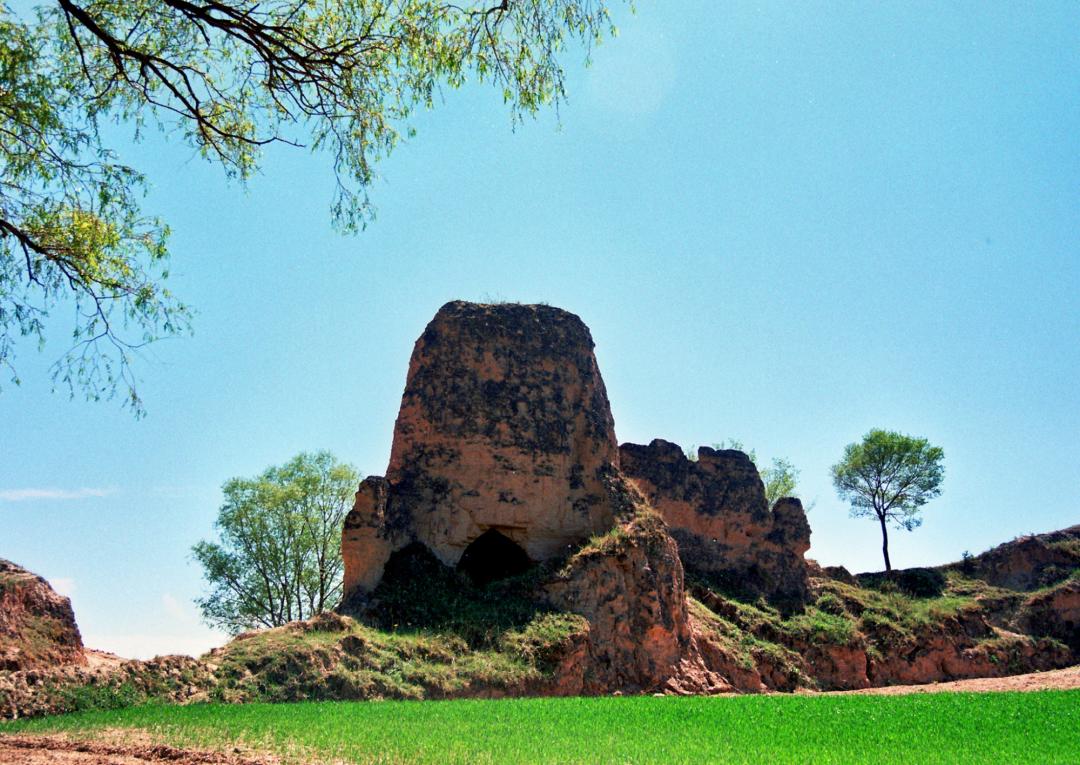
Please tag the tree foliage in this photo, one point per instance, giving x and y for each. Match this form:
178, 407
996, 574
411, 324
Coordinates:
889, 476
278, 558
781, 480
229, 78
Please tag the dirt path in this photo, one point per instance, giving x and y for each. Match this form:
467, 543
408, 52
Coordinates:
42, 750
1057, 679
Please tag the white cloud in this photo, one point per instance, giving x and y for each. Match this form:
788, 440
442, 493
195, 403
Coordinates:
22, 495
63, 585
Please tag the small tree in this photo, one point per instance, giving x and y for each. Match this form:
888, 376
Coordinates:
279, 555
781, 480
889, 476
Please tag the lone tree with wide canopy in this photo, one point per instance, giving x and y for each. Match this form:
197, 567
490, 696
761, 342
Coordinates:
889, 476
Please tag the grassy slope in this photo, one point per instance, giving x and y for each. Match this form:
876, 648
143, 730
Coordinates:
358, 662
1041, 727
879, 620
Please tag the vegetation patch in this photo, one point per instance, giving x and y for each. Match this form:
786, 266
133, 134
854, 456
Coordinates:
819, 626
546, 639
882, 621
1041, 727
418, 593
641, 525
335, 657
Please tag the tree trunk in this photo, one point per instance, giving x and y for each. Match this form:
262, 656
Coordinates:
885, 544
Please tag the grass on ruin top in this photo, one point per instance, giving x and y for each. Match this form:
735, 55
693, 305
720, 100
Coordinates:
1041, 727
42, 636
644, 525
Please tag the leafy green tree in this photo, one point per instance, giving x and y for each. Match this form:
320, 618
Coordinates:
889, 476
781, 479
278, 558
228, 77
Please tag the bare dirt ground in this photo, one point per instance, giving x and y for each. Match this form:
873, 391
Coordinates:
102, 659
43, 750
117, 748
1058, 679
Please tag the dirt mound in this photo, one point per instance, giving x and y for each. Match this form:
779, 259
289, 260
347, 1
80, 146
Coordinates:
37, 625
105, 682
628, 584
514, 549
504, 461
1054, 612
1028, 562
504, 469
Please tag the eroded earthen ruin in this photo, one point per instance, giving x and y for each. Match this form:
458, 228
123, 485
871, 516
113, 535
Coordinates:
504, 440
716, 509
504, 453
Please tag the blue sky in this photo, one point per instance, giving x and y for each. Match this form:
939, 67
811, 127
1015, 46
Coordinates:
785, 224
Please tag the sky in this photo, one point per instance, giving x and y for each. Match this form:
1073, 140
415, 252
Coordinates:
785, 224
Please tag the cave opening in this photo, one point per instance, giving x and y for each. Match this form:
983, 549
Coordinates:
493, 556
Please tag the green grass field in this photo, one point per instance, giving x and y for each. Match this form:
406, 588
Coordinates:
1003, 728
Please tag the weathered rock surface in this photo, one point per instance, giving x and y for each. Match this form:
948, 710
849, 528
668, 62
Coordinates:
941, 659
504, 426
717, 511
628, 584
37, 625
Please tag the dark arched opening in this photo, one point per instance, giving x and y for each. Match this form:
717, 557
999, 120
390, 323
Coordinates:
492, 556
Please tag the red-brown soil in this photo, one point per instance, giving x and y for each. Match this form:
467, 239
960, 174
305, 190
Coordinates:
1056, 680
37, 625
41, 750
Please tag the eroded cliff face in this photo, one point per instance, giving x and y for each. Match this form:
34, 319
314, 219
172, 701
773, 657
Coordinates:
1029, 562
717, 511
504, 426
629, 585
37, 625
